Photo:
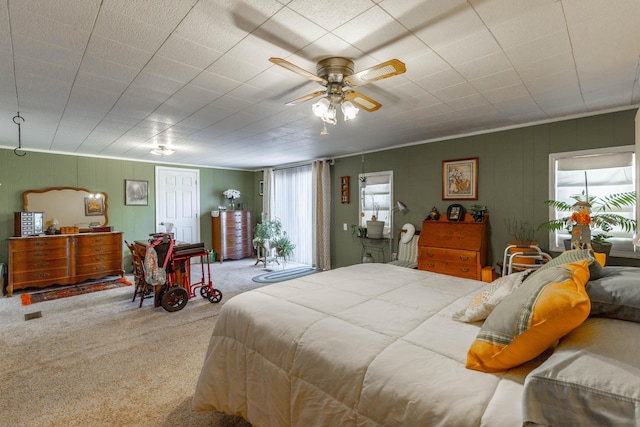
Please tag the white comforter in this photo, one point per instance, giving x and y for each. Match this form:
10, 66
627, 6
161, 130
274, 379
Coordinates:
365, 345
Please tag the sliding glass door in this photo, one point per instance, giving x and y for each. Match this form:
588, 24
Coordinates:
293, 205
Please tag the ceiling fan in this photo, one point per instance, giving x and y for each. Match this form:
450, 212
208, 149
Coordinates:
336, 75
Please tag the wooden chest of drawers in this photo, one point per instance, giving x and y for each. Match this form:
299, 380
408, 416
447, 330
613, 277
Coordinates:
232, 235
63, 259
453, 248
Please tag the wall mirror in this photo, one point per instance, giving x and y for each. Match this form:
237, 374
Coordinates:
69, 206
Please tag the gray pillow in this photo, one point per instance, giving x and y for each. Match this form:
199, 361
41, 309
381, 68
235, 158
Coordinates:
616, 294
573, 255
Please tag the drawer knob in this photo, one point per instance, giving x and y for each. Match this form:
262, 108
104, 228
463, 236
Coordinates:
464, 257
429, 254
465, 269
430, 265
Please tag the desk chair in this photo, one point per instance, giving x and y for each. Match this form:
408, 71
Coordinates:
141, 286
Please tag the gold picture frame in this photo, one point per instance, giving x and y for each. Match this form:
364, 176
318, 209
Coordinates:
460, 179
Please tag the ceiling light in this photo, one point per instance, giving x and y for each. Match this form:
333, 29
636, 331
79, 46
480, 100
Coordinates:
349, 110
325, 109
162, 150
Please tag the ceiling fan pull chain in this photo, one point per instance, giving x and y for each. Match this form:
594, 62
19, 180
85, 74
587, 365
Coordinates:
16, 120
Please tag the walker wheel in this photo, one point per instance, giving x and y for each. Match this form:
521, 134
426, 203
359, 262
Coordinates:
216, 296
205, 292
175, 299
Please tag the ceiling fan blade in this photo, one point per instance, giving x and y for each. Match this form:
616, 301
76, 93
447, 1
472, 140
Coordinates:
304, 73
306, 97
362, 101
387, 69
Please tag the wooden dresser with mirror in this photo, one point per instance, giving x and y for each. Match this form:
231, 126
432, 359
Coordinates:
63, 259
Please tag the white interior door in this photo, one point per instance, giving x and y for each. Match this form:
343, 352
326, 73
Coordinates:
178, 202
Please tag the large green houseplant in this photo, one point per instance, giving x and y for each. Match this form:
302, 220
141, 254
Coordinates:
266, 231
603, 216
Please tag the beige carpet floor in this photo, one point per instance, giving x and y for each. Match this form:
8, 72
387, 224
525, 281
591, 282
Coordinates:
99, 360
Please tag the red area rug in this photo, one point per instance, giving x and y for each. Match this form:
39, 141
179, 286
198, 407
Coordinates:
71, 291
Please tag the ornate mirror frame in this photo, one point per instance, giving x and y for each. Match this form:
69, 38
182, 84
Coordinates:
69, 206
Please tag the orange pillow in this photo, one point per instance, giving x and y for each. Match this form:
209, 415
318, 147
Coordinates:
547, 306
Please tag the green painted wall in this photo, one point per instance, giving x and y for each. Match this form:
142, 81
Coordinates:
513, 181
513, 176
38, 171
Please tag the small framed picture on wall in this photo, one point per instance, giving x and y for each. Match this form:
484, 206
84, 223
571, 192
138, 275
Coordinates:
136, 193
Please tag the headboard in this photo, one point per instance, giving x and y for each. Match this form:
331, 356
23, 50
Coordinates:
69, 205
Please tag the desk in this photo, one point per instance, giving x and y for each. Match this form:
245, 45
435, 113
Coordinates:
375, 245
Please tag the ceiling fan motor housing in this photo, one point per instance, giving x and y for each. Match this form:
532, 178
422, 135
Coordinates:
334, 69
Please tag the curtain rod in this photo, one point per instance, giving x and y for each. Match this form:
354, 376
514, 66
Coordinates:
297, 165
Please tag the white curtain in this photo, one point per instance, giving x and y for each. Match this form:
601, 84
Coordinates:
322, 217
292, 203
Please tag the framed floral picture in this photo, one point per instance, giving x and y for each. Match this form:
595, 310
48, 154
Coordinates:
136, 193
460, 179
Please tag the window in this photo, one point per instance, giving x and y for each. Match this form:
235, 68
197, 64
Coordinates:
600, 172
292, 204
376, 198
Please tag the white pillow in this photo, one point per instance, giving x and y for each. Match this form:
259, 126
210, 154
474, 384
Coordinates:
408, 234
489, 297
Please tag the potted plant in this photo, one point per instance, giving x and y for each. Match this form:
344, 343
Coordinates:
266, 231
523, 238
284, 246
601, 216
478, 212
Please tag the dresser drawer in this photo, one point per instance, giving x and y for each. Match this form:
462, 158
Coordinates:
32, 243
450, 255
464, 270
50, 275
99, 268
98, 258
98, 239
100, 249
39, 259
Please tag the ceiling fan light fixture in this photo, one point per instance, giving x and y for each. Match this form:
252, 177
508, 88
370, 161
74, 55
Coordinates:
162, 150
349, 110
326, 110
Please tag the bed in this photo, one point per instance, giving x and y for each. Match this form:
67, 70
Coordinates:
377, 344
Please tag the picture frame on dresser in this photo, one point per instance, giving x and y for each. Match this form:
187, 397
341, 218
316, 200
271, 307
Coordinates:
460, 179
456, 212
136, 192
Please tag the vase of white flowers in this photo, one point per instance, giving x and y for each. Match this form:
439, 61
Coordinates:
231, 195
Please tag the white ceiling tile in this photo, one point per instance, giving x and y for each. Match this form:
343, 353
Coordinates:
164, 14
79, 14
477, 45
517, 22
171, 70
214, 82
119, 53
330, 14
187, 52
506, 93
111, 70
485, 66
127, 30
55, 33
450, 93
440, 80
